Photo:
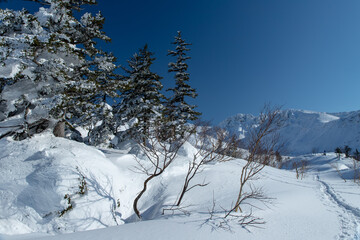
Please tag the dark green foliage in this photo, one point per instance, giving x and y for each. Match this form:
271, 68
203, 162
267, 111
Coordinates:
82, 184
347, 151
82, 191
177, 110
60, 69
338, 152
69, 206
357, 154
140, 106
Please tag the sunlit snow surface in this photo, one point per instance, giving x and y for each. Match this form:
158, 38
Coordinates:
325, 118
35, 175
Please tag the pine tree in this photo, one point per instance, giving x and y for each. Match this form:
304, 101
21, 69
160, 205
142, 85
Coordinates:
338, 152
178, 111
107, 85
20, 54
357, 154
141, 98
77, 99
347, 151
86, 99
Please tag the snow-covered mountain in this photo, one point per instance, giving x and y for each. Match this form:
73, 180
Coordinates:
306, 131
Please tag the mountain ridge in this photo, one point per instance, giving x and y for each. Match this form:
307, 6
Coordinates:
306, 131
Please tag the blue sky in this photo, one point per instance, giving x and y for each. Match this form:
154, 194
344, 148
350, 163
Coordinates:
299, 54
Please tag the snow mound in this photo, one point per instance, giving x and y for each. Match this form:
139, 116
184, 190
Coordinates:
36, 175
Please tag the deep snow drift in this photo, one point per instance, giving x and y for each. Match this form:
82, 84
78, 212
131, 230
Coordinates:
37, 173
306, 131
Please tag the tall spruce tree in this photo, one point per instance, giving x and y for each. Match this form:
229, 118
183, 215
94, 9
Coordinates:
107, 85
141, 97
178, 111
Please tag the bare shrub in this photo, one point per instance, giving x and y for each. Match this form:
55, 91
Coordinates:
279, 159
212, 145
160, 153
300, 169
356, 170
262, 145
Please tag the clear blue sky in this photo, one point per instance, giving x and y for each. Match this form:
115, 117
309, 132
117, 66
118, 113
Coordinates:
299, 54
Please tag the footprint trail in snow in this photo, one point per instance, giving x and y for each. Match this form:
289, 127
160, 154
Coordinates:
349, 216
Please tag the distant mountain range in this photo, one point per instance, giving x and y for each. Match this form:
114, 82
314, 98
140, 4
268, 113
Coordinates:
306, 131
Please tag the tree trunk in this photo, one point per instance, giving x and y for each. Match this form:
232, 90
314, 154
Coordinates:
59, 129
136, 210
181, 195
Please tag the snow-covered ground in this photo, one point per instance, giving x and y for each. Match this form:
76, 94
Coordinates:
36, 174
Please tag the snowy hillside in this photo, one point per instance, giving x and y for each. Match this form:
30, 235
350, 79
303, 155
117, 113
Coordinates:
37, 173
306, 131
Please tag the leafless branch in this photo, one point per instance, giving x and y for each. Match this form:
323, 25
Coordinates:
160, 153
212, 145
261, 147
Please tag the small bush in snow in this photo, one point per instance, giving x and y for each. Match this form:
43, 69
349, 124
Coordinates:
82, 186
82, 183
338, 152
68, 207
357, 155
347, 151
300, 168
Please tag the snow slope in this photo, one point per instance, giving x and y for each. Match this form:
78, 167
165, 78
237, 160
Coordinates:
35, 176
307, 131
37, 173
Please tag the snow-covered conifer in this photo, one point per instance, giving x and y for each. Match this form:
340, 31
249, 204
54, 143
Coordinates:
22, 46
50, 59
141, 97
107, 85
178, 111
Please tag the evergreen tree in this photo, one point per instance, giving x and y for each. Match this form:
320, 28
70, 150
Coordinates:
178, 112
77, 99
50, 65
141, 98
85, 99
107, 85
357, 154
347, 151
22, 44
338, 152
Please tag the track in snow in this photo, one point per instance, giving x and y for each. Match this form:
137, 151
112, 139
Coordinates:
348, 215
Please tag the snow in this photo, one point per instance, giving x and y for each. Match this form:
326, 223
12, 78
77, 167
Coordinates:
35, 175
325, 118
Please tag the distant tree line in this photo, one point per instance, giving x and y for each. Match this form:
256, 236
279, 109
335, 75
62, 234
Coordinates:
347, 151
